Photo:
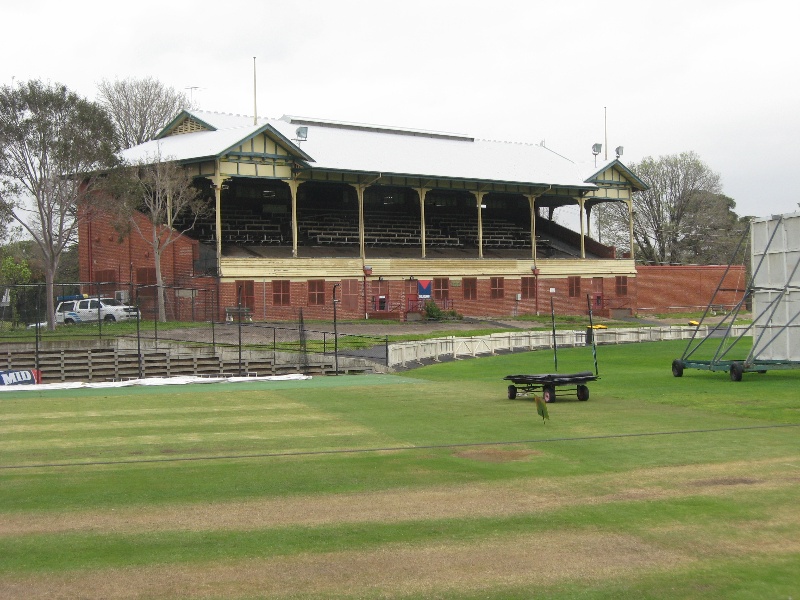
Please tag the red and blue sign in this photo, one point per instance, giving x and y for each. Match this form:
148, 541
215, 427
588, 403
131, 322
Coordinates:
21, 377
424, 287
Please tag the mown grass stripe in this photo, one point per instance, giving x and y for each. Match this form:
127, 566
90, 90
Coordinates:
648, 520
411, 448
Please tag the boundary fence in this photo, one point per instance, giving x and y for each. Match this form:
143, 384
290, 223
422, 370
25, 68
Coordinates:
235, 341
433, 350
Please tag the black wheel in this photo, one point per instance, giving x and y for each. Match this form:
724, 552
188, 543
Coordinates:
736, 371
69, 321
677, 368
549, 393
109, 318
583, 393
512, 392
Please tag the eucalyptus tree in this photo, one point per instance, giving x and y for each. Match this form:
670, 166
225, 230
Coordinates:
53, 146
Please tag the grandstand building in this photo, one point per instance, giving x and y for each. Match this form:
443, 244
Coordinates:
381, 218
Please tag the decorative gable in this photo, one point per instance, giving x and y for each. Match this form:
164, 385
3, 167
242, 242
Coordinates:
184, 122
188, 125
611, 176
615, 182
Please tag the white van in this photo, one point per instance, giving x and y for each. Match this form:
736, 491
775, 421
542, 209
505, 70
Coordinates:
87, 310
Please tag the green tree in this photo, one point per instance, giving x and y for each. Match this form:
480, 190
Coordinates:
53, 143
13, 274
715, 232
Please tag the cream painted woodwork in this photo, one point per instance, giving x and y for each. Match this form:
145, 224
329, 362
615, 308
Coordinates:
612, 184
301, 269
188, 126
422, 192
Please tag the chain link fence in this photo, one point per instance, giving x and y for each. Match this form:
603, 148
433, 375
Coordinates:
92, 325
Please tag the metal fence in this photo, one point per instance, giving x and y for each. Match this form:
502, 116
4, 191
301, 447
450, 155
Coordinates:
195, 327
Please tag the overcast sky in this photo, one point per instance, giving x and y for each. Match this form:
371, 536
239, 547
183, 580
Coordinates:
719, 77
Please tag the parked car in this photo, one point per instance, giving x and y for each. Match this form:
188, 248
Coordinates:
86, 310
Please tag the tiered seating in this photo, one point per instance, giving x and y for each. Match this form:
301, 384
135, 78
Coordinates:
247, 227
400, 229
241, 226
329, 229
380, 230
497, 233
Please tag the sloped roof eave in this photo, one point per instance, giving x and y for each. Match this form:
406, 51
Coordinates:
576, 186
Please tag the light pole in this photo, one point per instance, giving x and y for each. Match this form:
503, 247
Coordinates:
335, 332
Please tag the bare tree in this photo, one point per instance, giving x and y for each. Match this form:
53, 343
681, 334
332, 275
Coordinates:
159, 190
139, 108
52, 142
682, 205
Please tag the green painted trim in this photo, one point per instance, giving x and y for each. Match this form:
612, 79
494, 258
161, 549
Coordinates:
179, 118
268, 129
616, 164
470, 184
283, 157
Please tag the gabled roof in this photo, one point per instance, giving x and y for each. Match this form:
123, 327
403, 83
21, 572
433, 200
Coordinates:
220, 134
180, 119
338, 146
635, 182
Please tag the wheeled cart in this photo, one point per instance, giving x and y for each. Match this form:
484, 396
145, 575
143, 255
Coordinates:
522, 385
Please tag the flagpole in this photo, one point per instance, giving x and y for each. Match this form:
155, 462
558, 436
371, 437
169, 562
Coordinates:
555, 345
255, 97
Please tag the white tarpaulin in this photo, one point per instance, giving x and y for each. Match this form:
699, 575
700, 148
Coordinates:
152, 381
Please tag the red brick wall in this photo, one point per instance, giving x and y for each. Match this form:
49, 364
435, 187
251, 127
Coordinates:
658, 289
101, 249
653, 290
663, 289
484, 305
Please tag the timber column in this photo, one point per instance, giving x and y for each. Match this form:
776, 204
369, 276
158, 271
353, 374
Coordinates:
293, 185
422, 192
362, 251
532, 203
216, 181
479, 196
582, 214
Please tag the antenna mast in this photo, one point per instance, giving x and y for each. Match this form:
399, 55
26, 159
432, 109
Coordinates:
605, 128
255, 100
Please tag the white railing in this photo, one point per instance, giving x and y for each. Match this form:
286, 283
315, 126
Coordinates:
402, 353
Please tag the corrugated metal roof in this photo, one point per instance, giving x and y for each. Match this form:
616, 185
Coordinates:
353, 147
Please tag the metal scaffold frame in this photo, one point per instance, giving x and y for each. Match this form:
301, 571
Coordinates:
776, 315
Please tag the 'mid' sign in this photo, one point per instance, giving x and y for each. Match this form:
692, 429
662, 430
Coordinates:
23, 377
